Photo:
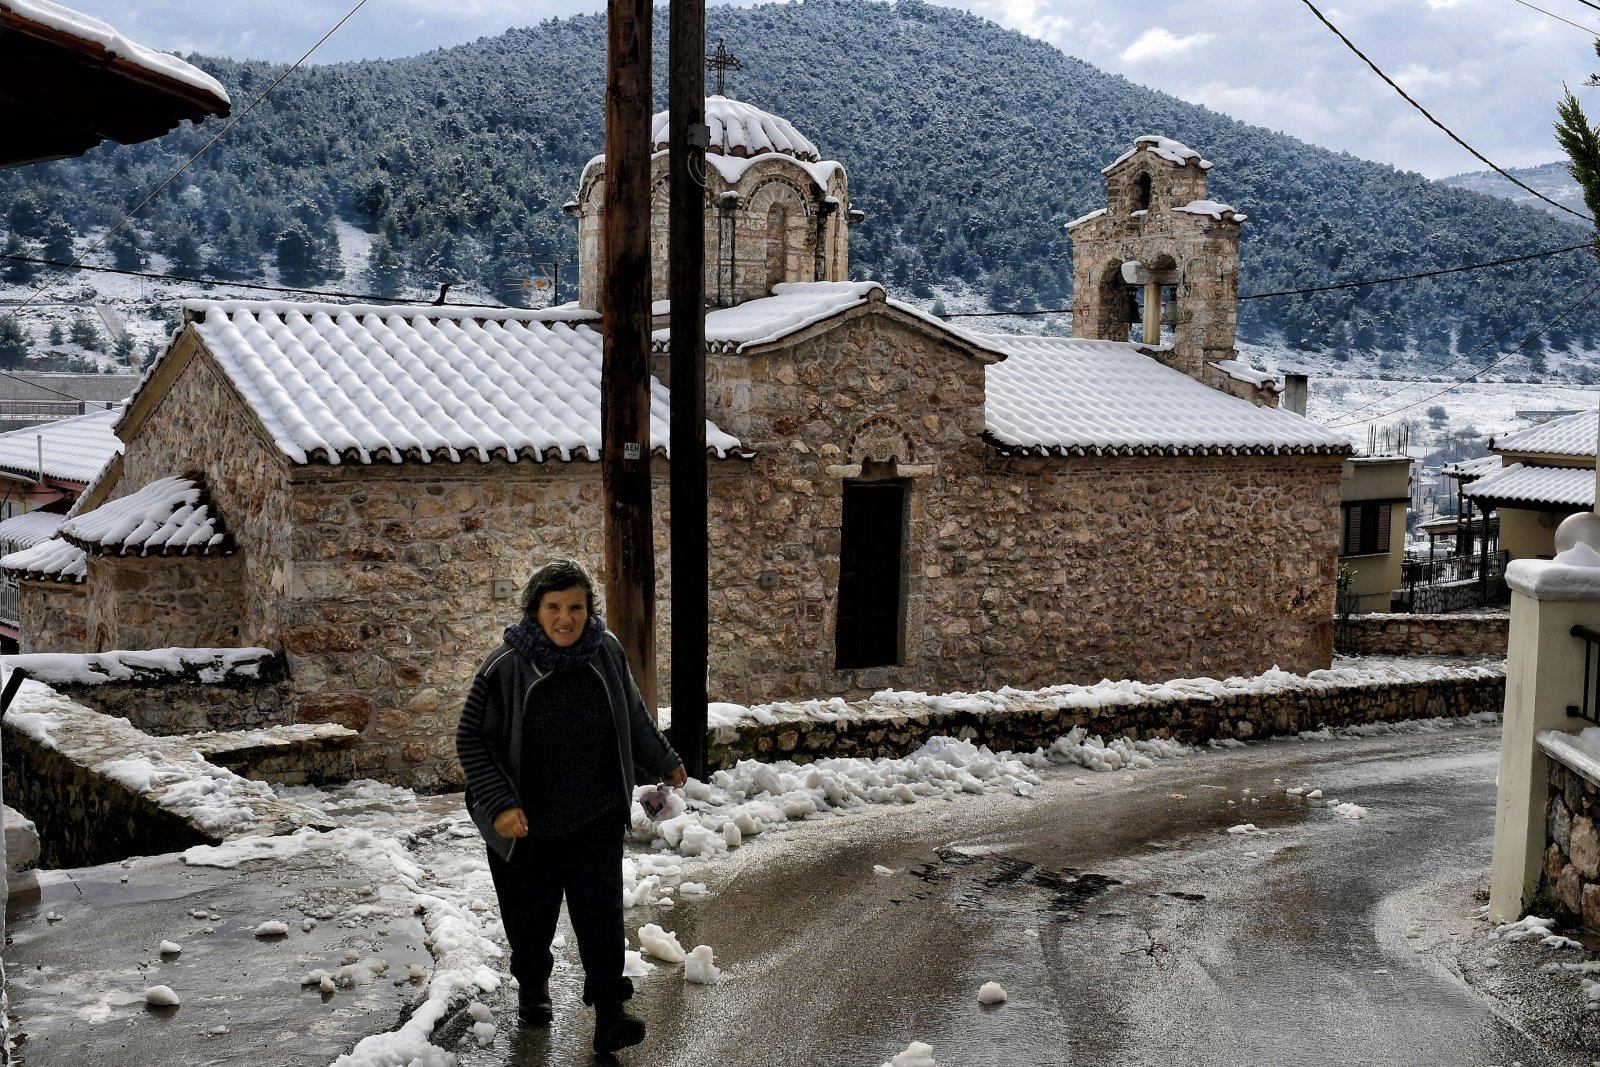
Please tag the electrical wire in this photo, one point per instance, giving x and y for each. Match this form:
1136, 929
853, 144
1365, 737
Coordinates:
1424, 274
192, 159
1343, 420
1491, 164
1309, 289
1590, 30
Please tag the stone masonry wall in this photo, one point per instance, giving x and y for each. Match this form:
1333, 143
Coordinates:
1572, 862
166, 602
391, 604
201, 424
895, 730
54, 616
1018, 571
1437, 635
164, 704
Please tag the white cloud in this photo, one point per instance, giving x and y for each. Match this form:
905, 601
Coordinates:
1158, 44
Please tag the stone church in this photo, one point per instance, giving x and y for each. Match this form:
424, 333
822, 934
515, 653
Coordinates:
894, 502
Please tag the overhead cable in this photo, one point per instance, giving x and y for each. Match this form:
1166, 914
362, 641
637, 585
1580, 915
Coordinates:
1491, 164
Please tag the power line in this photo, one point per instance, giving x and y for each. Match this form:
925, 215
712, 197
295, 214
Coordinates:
1487, 367
1424, 274
156, 276
1309, 289
1590, 3
1590, 30
192, 159
1491, 164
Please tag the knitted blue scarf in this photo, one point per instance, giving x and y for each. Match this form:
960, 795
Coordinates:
529, 638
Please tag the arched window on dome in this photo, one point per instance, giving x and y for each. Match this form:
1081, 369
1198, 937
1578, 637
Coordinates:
777, 244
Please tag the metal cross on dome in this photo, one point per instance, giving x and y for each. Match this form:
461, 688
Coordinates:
722, 61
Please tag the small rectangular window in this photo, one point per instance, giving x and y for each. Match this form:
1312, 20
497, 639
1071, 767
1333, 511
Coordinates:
871, 575
1366, 529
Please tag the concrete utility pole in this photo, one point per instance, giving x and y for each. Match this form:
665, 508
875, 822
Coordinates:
686, 254
625, 366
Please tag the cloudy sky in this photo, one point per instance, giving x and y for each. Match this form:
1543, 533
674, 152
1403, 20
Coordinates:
1491, 70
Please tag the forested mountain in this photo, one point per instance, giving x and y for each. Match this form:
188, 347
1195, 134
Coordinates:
969, 146
1552, 179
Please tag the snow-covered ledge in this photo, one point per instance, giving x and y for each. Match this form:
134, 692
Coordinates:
1572, 575
1579, 752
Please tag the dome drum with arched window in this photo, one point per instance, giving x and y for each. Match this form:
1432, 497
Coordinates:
775, 211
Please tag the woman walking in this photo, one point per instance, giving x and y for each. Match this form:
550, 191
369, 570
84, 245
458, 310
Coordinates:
551, 733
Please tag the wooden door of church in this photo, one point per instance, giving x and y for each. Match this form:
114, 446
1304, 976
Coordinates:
871, 569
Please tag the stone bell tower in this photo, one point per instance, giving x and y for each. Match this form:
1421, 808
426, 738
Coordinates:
1160, 240
775, 210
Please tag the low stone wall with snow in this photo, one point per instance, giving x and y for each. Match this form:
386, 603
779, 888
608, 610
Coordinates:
1193, 711
173, 690
1434, 635
1571, 878
100, 790
1454, 596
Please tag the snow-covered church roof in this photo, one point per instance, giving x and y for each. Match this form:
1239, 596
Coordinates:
741, 129
1570, 435
168, 517
359, 383
54, 560
1164, 147
1074, 396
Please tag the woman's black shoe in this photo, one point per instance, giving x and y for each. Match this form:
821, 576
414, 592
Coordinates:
534, 1008
615, 1029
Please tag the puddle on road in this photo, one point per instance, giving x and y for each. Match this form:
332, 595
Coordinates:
1067, 890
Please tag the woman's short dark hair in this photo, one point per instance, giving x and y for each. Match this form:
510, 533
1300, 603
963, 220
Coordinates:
553, 577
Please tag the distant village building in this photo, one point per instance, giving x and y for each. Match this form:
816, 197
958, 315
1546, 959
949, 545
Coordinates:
1542, 475
894, 502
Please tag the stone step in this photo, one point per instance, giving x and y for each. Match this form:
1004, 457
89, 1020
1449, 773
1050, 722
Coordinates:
302, 754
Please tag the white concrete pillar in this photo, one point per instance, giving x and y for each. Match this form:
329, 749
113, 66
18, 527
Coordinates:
1544, 674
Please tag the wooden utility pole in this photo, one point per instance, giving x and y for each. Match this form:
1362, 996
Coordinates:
686, 254
625, 366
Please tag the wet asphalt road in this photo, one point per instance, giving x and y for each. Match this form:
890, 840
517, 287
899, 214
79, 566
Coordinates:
1126, 924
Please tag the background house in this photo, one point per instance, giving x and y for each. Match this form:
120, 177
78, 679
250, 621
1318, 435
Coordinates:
1545, 473
894, 502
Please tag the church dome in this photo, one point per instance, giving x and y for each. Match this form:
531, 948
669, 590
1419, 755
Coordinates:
741, 129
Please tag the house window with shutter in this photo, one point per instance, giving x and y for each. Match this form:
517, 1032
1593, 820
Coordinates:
871, 575
1366, 529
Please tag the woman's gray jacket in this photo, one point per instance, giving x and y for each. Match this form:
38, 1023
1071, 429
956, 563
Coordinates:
489, 737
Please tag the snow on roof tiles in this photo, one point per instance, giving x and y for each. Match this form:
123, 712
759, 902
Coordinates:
791, 308
168, 517
75, 449
1061, 395
1472, 468
1165, 147
353, 382
1570, 435
75, 24
741, 129
1518, 484
54, 560
30, 528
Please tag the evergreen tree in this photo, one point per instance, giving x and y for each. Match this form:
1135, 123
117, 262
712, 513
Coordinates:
13, 342
127, 248
58, 239
17, 271
57, 335
84, 334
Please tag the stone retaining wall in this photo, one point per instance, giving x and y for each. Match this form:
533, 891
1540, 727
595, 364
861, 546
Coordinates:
1410, 635
61, 760
166, 704
884, 729
1453, 596
1571, 878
